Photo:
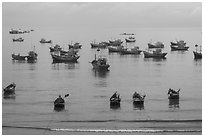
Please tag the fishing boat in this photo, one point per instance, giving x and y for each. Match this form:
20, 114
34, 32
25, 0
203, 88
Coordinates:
130, 39
59, 102
155, 54
18, 57
180, 45
75, 46
115, 49
68, 57
99, 45
197, 55
172, 94
100, 63
117, 42
18, 39
115, 99
45, 41
134, 50
32, 56
26, 31
156, 45
138, 99
12, 31
9, 91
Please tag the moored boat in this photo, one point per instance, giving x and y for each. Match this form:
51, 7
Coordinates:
18, 57
197, 55
130, 39
156, 45
115, 99
180, 45
117, 42
18, 39
100, 63
9, 91
67, 57
32, 56
59, 102
172, 94
45, 41
115, 49
99, 45
138, 99
155, 54
134, 50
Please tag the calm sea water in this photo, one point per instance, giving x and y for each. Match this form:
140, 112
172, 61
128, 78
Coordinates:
87, 107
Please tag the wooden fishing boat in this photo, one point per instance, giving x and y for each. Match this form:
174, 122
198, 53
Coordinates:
18, 39
59, 102
156, 45
138, 99
155, 54
75, 46
134, 50
12, 31
180, 45
99, 45
9, 91
115, 99
45, 41
172, 94
130, 39
197, 55
100, 63
65, 57
115, 49
18, 57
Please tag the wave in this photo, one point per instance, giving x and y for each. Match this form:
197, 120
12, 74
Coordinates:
104, 130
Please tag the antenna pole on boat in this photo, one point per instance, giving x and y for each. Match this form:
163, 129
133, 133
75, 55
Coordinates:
95, 56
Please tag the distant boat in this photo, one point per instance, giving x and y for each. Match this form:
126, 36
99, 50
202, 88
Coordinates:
173, 94
9, 91
180, 45
45, 41
32, 30
117, 42
100, 63
134, 50
18, 40
18, 57
197, 55
99, 45
75, 46
130, 39
12, 31
156, 45
115, 49
138, 99
26, 31
155, 54
115, 99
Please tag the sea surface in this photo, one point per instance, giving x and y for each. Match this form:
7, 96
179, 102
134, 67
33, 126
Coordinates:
87, 109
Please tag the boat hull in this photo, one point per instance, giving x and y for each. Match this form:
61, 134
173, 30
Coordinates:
130, 40
98, 45
152, 55
197, 55
175, 48
155, 46
49, 41
173, 96
57, 58
100, 67
131, 52
115, 102
9, 91
18, 57
138, 101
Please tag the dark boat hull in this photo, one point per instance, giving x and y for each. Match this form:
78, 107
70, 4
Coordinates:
131, 52
197, 55
18, 57
75, 47
173, 96
49, 41
57, 58
100, 67
151, 55
98, 45
129, 40
174, 48
155, 46
115, 102
18, 40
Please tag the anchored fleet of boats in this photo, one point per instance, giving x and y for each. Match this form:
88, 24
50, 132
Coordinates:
100, 63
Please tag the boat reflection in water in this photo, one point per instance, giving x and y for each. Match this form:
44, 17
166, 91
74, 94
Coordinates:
173, 103
101, 73
138, 106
